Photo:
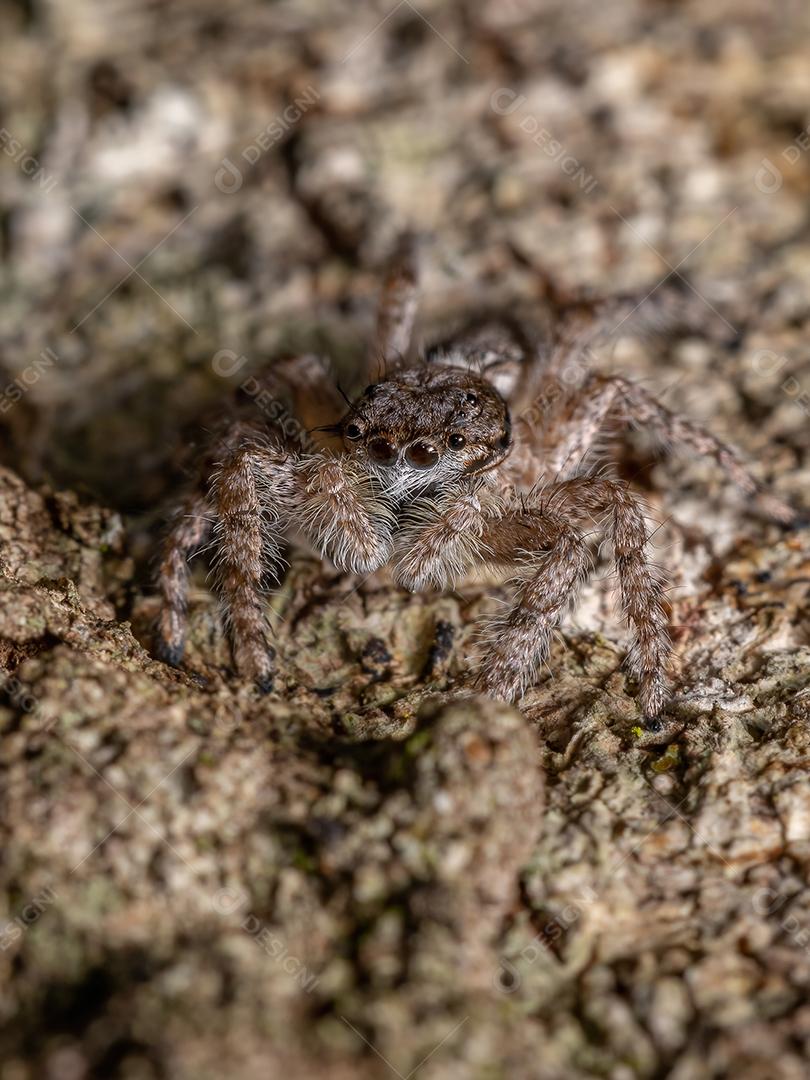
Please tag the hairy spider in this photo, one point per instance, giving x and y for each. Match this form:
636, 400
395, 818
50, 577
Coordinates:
432, 477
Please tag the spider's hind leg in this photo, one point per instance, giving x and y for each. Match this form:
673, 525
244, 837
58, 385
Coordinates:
574, 426
399, 301
678, 431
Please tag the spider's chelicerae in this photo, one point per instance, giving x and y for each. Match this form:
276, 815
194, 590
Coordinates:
431, 476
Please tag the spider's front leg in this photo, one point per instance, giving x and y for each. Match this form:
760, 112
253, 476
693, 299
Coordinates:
260, 492
441, 540
547, 545
641, 583
552, 560
252, 494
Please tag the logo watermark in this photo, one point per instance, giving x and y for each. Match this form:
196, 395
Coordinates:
769, 902
505, 101
229, 177
27, 378
13, 931
508, 978
767, 363
231, 902
768, 178
265, 394
17, 692
28, 164
571, 378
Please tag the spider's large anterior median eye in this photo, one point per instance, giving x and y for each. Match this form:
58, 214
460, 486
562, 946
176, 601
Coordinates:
471, 398
352, 431
422, 455
456, 442
382, 451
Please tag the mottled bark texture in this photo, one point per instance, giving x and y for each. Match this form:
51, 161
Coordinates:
194, 875
366, 873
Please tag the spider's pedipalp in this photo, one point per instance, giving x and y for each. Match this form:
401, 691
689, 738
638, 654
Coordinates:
439, 540
339, 511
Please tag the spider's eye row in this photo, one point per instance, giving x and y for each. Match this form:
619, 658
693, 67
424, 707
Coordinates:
456, 442
352, 431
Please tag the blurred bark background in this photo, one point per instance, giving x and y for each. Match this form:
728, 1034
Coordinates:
366, 874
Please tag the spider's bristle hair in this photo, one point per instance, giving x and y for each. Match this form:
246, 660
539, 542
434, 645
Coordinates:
330, 429
343, 394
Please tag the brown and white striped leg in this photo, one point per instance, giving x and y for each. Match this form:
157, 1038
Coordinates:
257, 493
241, 540
679, 432
398, 305
188, 533
337, 510
641, 583
552, 558
439, 541
570, 432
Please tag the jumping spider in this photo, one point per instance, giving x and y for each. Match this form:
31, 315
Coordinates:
432, 477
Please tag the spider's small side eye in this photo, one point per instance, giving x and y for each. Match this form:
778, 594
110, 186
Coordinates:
456, 442
352, 431
471, 398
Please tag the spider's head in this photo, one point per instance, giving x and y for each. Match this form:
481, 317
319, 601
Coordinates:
427, 427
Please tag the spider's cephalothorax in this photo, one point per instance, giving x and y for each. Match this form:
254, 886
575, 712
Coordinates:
426, 429
431, 477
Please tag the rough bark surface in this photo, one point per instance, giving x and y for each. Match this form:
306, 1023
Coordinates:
369, 872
